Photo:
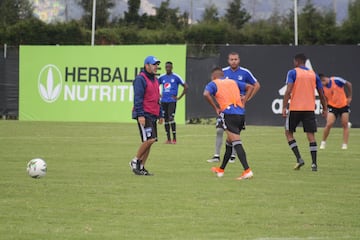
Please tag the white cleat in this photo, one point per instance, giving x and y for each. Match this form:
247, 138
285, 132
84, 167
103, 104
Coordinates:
214, 159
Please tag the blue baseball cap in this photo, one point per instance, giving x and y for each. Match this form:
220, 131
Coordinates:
151, 60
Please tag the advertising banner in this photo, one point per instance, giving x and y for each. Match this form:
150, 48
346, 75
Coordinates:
270, 65
88, 83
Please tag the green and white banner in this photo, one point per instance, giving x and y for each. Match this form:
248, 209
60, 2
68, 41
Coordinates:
88, 83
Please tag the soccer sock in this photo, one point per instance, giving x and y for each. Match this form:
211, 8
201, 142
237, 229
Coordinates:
294, 148
167, 129
228, 149
313, 151
173, 128
218, 140
138, 164
241, 153
233, 152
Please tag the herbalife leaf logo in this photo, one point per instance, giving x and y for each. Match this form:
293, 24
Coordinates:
50, 83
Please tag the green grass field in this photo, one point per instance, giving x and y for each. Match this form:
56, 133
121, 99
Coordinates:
89, 191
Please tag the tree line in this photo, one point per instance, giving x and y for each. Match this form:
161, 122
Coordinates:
170, 26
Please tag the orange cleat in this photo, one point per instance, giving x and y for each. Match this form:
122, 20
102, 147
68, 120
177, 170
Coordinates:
219, 171
247, 174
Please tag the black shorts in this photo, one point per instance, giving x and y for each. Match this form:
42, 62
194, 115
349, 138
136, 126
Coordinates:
232, 122
219, 123
339, 111
149, 131
169, 109
307, 118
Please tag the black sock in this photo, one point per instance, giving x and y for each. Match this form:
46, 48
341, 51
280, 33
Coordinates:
138, 164
241, 153
295, 149
167, 129
173, 128
228, 150
313, 151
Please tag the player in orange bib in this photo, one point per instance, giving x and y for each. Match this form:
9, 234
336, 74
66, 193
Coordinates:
301, 84
338, 104
224, 96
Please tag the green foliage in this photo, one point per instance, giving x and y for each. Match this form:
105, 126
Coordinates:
310, 23
32, 31
216, 33
102, 12
129, 35
168, 16
59, 34
210, 15
169, 25
350, 30
132, 15
13, 11
106, 36
263, 32
90, 193
317, 27
169, 36
36, 32
236, 15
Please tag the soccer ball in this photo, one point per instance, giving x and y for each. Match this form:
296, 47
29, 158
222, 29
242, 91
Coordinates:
36, 168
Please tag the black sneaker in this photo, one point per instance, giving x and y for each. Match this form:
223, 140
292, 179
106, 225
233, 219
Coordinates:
145, 172
314, 167
135, 167
137, 171
299, 164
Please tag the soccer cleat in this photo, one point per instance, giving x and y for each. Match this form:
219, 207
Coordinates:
135, 167
219, 171
132, 164
232, 159
322, 145
145, 172
247, 174
299, 164
174, 141
214, 159
344, 146
168, 142
313, 167
137, 172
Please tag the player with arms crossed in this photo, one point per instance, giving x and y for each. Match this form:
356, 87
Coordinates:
231, 108
241, 74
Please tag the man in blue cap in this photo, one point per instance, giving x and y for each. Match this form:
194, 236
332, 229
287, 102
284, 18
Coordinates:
146, 111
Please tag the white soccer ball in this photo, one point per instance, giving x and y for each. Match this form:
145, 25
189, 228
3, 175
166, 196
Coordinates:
36, 168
